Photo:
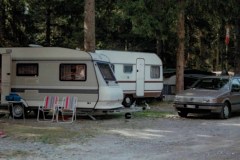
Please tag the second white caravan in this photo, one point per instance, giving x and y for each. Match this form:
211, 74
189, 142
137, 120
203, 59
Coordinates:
139, 74
33, 73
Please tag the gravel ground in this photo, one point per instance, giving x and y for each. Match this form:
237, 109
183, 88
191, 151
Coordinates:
172, 138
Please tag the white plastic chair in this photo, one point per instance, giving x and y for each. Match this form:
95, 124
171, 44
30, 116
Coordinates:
50, 104
68, 108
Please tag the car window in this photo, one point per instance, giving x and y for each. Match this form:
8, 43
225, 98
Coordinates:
235, 85
189, 81
211, 83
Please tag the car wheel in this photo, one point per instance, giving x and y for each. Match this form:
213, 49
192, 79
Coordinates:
225, 112
182, 114
128, 101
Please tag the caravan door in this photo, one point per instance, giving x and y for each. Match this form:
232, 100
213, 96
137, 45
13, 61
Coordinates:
6, 75
140, 77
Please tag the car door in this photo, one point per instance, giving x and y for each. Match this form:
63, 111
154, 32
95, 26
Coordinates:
235, 94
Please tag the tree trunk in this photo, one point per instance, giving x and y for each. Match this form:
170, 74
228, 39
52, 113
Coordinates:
159, 46
237, 46
89, 26
180, 50
48, 25
2, 22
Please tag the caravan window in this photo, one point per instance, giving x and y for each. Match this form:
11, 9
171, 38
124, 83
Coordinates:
106, 71
27, 69
72, 72
127, 68
113, 67
155, 72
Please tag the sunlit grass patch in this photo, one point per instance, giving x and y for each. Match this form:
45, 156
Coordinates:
16, 154
46, 134
160, 103
153, 114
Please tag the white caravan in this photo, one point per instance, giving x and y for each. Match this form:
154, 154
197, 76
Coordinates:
139, 74
33, 73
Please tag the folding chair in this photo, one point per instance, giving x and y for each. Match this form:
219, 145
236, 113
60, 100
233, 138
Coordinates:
50, 104
68, 108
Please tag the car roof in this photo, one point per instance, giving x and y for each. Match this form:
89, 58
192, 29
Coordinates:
223, 76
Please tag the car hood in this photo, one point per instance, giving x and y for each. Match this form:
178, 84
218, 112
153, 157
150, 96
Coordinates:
203, 92
199, 95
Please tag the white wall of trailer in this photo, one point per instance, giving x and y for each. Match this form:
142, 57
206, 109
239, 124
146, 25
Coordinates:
92, 93
47, 83
128, 81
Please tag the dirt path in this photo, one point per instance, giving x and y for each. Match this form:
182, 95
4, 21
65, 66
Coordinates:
174, 138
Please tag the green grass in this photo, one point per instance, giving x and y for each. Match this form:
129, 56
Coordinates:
153, 114
159, 103
44, 134
13, 154
156, 110
54, 134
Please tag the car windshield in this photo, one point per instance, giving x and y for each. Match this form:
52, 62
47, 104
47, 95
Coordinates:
211, 83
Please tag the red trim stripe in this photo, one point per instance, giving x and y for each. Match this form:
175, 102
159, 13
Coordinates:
67, 102
46, 102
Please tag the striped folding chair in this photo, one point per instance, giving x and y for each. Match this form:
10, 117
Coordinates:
67, 109
49, 105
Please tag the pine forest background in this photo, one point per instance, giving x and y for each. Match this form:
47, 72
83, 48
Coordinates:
133, 25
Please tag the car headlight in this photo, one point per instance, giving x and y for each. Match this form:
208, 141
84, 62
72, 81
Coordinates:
178, 98
206, 100
209, 100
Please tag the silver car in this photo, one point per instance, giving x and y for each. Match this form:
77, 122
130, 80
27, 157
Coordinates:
213, 94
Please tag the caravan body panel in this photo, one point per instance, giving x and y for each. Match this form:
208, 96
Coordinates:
50, 73
139, 74
6, 75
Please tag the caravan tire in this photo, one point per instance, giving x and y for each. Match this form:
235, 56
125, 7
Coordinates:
128, 101
17, 111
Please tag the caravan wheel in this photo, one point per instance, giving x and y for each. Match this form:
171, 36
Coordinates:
17, 111
128, 100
